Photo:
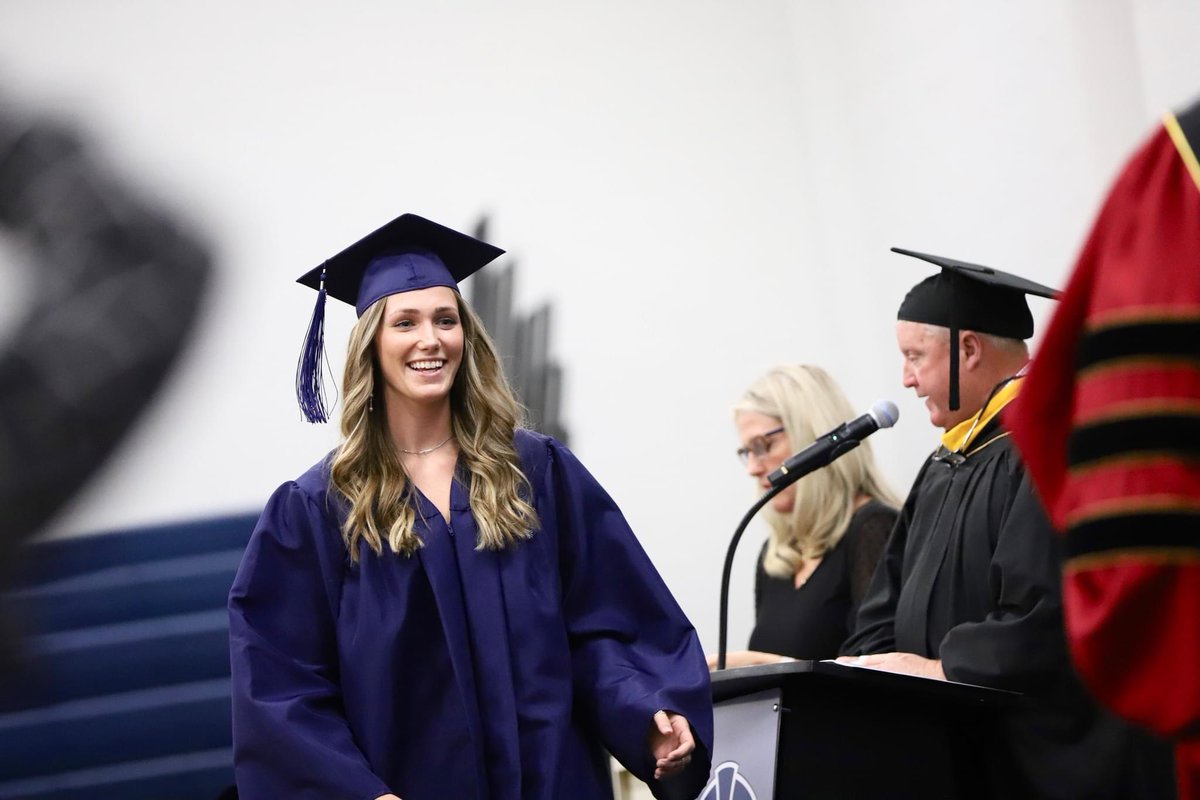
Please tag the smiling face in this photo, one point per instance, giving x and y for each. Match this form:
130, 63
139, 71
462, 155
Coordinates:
751, 426
927, 371
419, 345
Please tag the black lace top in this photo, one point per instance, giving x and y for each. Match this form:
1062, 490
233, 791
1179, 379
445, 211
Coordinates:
812, 622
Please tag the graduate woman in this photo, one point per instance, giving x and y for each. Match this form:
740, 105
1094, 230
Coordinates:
448, 605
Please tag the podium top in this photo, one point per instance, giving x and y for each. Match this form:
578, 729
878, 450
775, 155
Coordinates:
732, 683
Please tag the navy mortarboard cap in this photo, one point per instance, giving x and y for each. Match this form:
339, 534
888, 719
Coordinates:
967, 296
406, 254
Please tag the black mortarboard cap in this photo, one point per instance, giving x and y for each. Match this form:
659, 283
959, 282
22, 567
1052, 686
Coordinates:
406, 254
966, 296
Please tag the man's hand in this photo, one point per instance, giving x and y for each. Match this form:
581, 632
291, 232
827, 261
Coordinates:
671, 743
903, 663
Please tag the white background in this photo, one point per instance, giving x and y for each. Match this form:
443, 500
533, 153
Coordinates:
700, 188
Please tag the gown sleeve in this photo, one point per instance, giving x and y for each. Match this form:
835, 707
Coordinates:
633, 651
290, 736
1019, 645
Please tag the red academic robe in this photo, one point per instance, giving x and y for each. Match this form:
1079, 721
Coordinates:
1109, 427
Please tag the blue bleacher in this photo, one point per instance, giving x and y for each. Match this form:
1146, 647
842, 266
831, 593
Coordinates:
122, 690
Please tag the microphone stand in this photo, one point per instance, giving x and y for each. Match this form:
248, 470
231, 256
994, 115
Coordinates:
725, 573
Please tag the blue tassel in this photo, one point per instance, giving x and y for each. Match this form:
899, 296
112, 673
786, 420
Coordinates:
310, 390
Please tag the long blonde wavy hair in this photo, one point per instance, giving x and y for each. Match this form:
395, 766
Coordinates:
809, 404
366, 469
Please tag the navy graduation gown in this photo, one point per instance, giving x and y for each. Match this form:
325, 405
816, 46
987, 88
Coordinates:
457, 673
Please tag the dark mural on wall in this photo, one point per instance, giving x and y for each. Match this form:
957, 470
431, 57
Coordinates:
524, 342
115, 285
117, 685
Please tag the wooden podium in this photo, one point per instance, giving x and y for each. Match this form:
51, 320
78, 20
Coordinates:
818, 729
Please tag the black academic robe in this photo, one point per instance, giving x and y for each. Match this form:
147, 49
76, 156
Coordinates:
971, 576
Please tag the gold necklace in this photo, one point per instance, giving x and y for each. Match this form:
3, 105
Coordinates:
427, 450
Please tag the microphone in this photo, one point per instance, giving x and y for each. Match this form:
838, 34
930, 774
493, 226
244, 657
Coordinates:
835, 444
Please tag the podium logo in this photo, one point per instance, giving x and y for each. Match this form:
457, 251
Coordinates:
727, 783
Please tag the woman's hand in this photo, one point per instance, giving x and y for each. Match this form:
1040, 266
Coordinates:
387, 797
745, 658
671, 743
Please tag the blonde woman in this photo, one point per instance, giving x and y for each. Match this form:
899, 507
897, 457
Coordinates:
827, 530
449, 606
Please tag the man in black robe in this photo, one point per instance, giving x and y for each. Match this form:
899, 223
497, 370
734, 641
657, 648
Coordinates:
968, 588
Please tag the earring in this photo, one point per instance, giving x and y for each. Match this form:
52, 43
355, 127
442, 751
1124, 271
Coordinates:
371, 403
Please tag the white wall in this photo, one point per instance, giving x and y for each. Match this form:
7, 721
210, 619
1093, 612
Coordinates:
702, 189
